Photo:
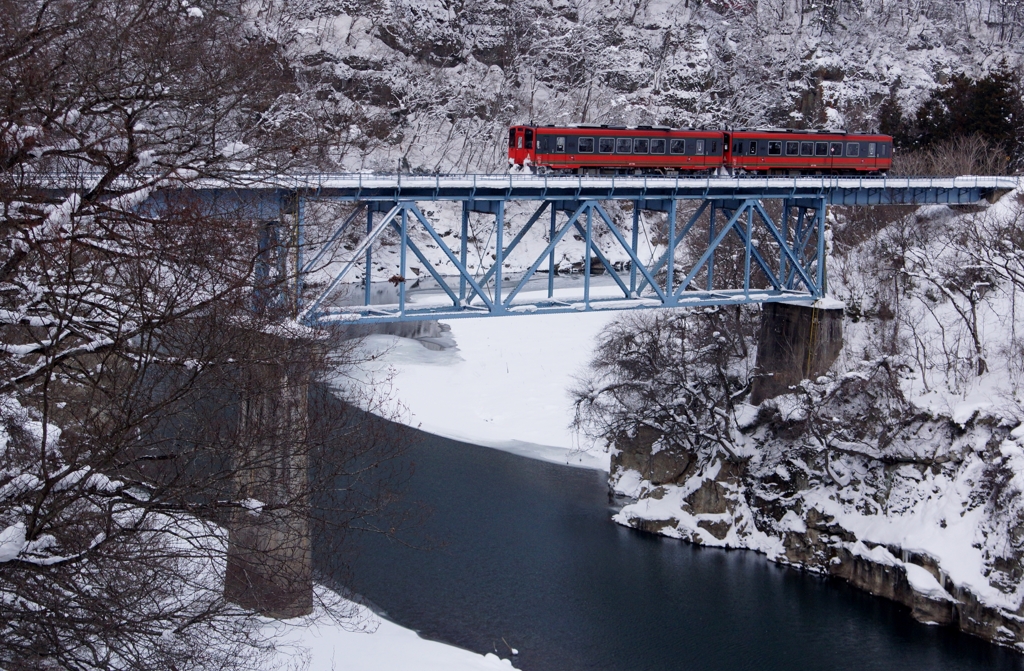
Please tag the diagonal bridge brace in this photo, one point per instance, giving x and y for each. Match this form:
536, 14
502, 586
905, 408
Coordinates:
308, 314
787, 252
587, 207
750, 207
486, 288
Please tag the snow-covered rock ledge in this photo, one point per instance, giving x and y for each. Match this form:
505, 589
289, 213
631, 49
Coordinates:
929, 515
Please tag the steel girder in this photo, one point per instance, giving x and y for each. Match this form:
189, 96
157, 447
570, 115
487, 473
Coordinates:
783, 259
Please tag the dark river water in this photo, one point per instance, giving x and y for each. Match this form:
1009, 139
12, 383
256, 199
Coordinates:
530, 555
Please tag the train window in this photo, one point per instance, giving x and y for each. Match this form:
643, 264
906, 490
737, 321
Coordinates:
511, 138
606, 145
871, 149
792, 148
657, 146
519, 142
753, 148
586, 145
836, 149
774, 148
678, 147
821, 148
806, 148
700, 148
737, 147
559, 145
853, 148
529, 138
883, 149
714, 148
640, 145
623, 145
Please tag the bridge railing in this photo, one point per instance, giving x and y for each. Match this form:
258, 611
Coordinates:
513, 180
320, 181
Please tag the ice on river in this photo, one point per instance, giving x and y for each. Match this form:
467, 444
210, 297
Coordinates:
505, 385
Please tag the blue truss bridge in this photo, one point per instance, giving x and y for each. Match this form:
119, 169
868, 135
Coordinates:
720, 240
773, 229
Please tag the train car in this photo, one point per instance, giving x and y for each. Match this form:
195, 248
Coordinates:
595, 150
788, 152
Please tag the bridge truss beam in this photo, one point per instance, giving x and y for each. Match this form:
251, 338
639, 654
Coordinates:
783, 258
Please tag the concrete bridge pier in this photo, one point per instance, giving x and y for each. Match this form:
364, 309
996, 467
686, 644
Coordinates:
269, 559
796, 342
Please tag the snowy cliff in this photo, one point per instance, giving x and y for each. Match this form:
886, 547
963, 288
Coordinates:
431, 85
902, 470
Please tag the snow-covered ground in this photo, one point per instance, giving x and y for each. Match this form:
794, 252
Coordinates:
366, 643
504, 384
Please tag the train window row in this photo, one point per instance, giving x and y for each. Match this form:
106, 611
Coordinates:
809, 148
626, 145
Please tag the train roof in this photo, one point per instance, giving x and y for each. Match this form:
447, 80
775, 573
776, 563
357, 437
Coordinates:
804, 131
605, 126
780, 131
792, 131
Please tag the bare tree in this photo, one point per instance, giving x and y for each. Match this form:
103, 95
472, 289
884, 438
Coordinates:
677, 377
964, 155
140, 338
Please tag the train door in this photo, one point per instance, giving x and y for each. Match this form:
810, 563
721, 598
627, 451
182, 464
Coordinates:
517, 144
716, 153
835, 155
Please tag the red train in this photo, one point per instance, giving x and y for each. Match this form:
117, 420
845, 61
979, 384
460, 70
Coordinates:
593, 150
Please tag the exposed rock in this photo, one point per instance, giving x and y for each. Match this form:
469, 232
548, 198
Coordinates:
712, 496
659, 467
792, 508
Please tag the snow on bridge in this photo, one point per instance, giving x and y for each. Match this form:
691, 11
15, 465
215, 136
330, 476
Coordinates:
837, 190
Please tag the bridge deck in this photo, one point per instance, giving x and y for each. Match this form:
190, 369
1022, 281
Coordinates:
836, 190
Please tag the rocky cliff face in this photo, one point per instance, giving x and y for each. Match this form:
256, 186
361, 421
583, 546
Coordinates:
920, 508
431, 85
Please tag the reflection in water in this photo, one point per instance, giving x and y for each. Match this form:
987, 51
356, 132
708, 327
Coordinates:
532, 557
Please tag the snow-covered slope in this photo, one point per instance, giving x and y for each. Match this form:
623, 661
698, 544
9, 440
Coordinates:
364, 642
